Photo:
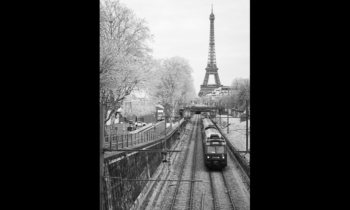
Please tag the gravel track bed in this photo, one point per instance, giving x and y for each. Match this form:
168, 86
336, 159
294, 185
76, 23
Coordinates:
170, 187
237, 184
194, 166
182, 200
221, 192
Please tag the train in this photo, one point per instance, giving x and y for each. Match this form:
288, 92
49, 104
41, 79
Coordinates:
187, 114
214, 145
205, 114
212, 113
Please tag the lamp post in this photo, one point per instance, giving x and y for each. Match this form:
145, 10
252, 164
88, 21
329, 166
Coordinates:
164, 130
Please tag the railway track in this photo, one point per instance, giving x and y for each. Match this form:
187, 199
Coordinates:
172, 156
222, 198
194, 161
153, 200
219, 190
215, 191
186, 195
183, 194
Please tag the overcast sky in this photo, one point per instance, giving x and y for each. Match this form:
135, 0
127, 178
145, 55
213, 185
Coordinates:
181, 28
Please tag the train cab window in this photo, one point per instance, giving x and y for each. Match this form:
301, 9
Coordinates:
216, 149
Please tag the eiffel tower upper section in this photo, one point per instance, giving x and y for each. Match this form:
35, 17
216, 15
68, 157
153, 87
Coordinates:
211, 65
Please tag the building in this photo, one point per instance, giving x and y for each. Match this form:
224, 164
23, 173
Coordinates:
159, 112
221, 92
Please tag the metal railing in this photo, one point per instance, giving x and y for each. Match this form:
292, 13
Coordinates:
126, 140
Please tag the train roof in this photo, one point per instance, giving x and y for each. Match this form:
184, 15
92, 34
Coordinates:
207, 120
215, 140
208, 124
212, 133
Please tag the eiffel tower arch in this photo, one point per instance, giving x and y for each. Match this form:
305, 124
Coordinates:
211, 68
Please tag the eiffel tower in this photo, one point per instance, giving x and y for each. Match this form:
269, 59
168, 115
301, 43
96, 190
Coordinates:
211, 66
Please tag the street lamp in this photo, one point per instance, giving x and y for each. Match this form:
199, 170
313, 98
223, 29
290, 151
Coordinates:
124, 119
164, 128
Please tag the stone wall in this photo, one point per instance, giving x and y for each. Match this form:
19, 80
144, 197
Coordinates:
120, 194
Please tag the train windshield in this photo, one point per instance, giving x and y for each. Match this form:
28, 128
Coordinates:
216, 149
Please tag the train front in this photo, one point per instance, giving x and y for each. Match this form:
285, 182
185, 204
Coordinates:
215, 153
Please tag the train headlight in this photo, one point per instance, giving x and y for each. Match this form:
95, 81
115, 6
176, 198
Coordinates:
208, 157
223, 157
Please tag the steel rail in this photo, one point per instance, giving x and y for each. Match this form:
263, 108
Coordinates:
213, 191
182, 169
202, 202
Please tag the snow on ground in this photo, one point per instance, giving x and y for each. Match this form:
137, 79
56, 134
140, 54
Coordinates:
236, 134
176, 123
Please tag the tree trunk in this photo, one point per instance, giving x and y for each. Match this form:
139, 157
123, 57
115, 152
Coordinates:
110, 114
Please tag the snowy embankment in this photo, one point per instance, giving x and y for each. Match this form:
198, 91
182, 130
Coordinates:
236, 134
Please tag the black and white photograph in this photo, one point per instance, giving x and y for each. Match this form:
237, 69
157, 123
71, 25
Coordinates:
174, 101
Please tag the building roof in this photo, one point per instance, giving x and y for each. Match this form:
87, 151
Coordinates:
159, 106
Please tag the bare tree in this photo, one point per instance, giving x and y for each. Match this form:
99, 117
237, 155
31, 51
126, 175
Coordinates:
140, 104
124, 59
174, 83
242, 88
121, 81
123, 30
